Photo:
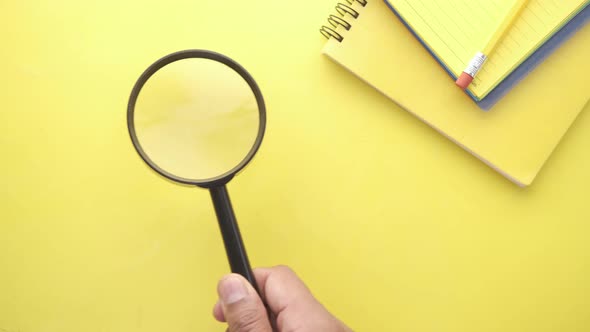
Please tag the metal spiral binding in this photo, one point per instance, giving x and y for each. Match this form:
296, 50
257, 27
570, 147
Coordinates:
335, 21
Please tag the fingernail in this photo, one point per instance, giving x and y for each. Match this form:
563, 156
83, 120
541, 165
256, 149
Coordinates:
232, 290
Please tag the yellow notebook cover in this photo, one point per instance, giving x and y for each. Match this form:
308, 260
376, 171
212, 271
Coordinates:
515, 139
455, 30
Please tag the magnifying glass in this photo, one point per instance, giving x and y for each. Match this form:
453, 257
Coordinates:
197, 117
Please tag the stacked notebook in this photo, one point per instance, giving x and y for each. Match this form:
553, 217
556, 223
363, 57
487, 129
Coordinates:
537, 82
454, 30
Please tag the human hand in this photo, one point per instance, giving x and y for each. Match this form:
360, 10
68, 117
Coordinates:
292, 305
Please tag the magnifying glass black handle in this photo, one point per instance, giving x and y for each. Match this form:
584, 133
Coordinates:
232, 239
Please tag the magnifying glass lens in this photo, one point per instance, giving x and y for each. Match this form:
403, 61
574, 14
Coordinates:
196, 118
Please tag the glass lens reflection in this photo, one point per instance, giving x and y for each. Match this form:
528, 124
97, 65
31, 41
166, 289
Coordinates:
196, 118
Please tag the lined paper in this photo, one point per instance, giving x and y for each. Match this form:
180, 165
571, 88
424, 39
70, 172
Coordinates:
455, 30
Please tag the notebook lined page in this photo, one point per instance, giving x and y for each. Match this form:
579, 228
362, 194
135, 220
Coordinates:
455, 30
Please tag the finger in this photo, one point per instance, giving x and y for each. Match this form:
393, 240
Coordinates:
218, 312
261, 275
280, 287
242, 307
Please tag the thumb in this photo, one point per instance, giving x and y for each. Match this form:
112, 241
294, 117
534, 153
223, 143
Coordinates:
241, 305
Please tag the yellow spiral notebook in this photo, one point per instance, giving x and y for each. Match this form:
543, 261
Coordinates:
453, 31
515, 139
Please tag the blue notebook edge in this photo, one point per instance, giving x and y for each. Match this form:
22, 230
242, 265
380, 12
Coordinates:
423, 43
527, 66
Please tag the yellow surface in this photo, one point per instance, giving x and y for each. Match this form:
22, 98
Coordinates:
392, 226
455, 30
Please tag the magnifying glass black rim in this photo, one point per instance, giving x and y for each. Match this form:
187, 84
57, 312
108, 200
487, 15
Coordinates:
196, 54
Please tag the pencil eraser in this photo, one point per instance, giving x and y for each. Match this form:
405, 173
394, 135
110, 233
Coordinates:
464, 80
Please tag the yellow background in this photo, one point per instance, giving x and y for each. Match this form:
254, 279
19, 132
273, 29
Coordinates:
392, 226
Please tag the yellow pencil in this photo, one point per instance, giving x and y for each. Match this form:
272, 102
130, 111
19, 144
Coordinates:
479, 59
